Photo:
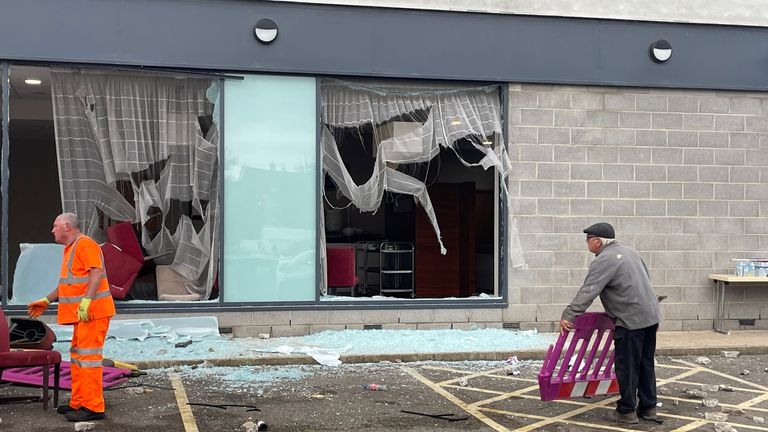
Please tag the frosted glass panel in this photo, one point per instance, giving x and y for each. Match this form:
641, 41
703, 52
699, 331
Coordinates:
270, 191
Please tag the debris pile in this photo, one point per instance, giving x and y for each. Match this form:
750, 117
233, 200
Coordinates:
724, 427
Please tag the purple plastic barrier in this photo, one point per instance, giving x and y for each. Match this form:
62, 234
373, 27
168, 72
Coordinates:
587, 373
34, 376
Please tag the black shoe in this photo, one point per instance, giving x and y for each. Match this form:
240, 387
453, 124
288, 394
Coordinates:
628, 418
649, 414
63, 409
84, 414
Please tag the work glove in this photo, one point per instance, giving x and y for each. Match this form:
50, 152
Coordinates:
82, 310
36, 308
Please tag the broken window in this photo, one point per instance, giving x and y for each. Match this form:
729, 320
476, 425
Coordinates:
152, 139
387, 144
135, 157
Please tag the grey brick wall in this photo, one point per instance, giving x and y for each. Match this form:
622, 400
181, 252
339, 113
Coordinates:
682, 175
301, 323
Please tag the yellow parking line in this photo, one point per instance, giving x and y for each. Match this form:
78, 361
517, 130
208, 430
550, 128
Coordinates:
521, 393
753, 401
502, 396
603, 407
724, 405
666, 366
677, 377
571, 422
511, 378
739, 380
565, 416
458, 402
518, 394
739, 389
690, 426
696, 369
183, 403
445, 369
722, 374
687, 363
490, 372
697, 423
563, 401
479, 390
477, 408
469, 376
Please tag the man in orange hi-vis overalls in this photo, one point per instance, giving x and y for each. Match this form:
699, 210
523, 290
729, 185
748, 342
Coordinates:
85, 302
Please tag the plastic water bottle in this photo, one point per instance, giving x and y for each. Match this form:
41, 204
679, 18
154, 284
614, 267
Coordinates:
750, 269
740, 268
374, 387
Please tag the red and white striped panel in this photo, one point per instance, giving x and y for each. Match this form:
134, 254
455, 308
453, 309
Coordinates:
588, 388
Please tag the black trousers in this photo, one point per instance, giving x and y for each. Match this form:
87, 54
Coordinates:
635, 369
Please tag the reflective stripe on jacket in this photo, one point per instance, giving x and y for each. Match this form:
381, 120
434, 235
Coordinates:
79, 258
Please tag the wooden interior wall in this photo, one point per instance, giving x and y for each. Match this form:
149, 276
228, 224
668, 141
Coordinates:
453, 274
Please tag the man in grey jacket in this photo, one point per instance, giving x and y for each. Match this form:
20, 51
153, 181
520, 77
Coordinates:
619, 276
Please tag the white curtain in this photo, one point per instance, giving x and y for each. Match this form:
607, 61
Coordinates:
444, 116
454, 112
122, 135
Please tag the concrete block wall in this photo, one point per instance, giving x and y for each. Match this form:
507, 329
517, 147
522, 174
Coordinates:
300, 323
682, 175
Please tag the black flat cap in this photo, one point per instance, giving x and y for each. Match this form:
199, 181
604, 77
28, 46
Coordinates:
601, 229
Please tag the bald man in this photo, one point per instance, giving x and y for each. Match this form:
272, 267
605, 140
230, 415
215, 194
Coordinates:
85, 303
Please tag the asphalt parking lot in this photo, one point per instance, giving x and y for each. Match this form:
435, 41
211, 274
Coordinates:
444, 396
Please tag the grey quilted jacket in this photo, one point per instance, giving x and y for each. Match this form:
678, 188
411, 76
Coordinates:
619, 276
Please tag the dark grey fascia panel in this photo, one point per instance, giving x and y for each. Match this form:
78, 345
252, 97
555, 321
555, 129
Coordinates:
380, 42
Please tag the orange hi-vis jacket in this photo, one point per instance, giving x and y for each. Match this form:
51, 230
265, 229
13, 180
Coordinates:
80, 257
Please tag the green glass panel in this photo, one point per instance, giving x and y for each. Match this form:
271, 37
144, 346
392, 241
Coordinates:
270, 191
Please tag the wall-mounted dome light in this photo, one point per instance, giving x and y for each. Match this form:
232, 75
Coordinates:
661, 51
265, 30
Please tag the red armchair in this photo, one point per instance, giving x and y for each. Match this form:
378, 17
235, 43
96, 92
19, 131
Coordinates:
341, 268
121, 269
123, 236
24, 358
122, 264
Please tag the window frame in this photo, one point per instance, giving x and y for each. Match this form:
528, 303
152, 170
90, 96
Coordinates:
500, 215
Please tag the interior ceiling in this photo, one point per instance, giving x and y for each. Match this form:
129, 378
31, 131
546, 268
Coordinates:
19, 89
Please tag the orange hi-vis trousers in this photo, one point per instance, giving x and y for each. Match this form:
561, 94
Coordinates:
86, 354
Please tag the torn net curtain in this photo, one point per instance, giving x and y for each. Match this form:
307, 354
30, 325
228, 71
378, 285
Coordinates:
438, 118
129, 136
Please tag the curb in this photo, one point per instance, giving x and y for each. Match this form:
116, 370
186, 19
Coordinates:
290, 359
